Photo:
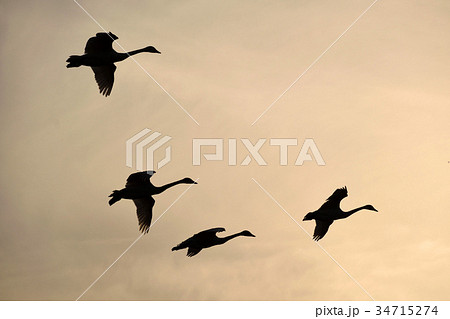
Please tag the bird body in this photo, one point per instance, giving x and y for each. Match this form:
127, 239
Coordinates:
206, 239
331, 211
100, 56
94, 59
139, 189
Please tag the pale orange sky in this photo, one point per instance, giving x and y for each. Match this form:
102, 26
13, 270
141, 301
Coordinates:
376, 104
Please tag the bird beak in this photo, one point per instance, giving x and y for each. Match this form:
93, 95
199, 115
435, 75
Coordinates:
195, 183
158, 52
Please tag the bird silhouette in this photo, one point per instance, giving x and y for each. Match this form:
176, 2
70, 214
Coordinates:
139, 189
207, 238
100, 56
330, 211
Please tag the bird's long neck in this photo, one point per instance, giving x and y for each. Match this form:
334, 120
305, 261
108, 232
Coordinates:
160, 189
136, 51
120, 56
351, 212
227, 238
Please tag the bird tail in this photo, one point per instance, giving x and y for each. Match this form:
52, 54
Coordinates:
116, 196
179, 246
74, 61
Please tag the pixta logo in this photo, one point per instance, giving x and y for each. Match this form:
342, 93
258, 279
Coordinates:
144, 146
141, 148
308, 150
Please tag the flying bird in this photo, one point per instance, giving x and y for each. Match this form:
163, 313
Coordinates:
100, 56
330, 211
207, 238
139, 189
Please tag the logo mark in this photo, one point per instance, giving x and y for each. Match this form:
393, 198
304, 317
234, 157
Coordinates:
308, 150
145, 147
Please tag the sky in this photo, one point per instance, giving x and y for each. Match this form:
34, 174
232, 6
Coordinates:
376, 105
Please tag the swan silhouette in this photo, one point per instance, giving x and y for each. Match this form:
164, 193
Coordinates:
100, 56
207, 238
139, 189
330, 211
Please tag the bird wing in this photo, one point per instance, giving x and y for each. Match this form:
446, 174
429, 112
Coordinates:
138, 179
321, 229
211, 231
192, 251
209, 234
335, 199
144, 207
104, 76
102, 42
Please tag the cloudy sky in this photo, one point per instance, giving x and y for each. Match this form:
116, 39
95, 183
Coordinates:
376, 105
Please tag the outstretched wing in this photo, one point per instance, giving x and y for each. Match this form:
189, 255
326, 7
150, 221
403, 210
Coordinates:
321, 229
199, 237
192, 251
208, 235
144, 208
212, 231
139, 179
102, 42
335, 198
104, 76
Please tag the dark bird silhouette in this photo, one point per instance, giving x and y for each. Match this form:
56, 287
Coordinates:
331, 211
139, 189
100, 56
207, 238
